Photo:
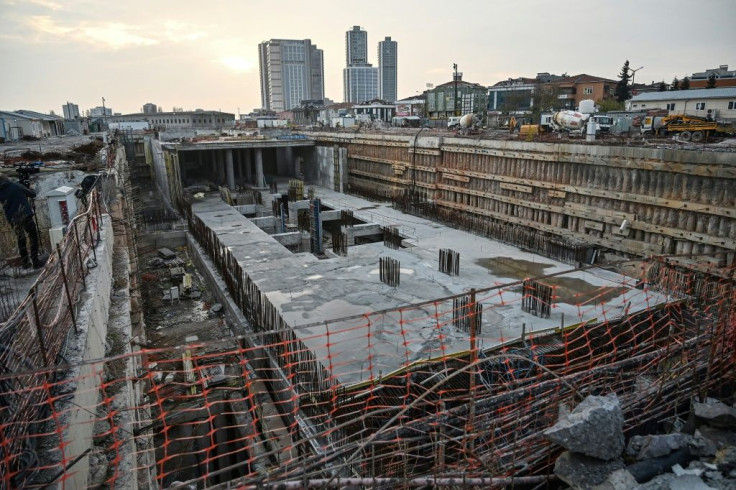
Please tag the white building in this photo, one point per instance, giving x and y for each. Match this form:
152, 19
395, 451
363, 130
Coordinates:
71, 111
291, 71
716, 103
387, 69
375, 111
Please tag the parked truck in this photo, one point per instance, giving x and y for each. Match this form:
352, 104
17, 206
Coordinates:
687, 127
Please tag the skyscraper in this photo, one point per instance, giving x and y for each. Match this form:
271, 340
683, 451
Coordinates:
356, 46
359, 78
291, 71
387, 69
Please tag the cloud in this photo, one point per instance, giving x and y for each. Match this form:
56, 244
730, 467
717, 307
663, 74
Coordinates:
238, 64
47, 3
179, 31
112, 34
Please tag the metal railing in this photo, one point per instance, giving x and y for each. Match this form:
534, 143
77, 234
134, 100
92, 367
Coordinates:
32, 341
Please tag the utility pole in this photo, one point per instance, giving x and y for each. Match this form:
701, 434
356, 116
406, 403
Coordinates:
454, 105
104, 113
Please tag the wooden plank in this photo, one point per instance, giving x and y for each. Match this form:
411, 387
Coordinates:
622, 244
729, 212
423, 168
594, 225
458, 178
560, 194
606, 216
516, 187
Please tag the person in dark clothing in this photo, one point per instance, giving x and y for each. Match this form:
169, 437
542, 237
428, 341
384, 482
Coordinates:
19, 213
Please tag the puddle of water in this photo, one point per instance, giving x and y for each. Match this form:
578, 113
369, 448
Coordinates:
513, 268
572, 290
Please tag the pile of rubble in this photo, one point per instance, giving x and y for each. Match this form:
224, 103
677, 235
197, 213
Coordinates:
597, 457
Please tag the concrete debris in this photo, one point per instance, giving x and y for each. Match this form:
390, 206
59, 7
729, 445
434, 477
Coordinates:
166, 253
618, 480
655, 446
726, 459
169, 378
715, 413
177, 273
580, 471
216, 308
158, 377
181, 486
97, 467
679, 471
594, 428
672, 482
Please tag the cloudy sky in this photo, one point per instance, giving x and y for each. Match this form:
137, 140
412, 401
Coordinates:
203, 54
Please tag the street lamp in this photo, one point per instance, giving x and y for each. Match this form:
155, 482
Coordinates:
633, 77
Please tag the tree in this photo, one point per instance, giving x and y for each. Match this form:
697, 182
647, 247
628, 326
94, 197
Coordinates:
609, 105
662, 86
685, 85
675, 84
711, 81
545, 98
52, 113
623, 91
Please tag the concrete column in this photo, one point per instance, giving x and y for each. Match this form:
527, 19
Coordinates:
220, 163
238, 167
259, 169
248, 168
229, 169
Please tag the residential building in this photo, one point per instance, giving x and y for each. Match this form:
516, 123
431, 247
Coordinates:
291, 71
387, 69
356, 46
360, 83
717, 103
574, 89
330, 112
149, 108
198, 119
723, 76
71, 111
456, 98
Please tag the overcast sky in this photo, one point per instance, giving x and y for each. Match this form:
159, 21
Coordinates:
203, 54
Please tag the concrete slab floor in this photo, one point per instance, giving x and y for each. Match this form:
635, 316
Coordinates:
313, 295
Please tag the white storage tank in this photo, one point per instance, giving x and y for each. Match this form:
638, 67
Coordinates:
587, 106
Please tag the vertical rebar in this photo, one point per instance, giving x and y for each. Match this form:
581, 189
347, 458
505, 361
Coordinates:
79, 251
39, 331
91, 240
473, 359
99, 214
66, 289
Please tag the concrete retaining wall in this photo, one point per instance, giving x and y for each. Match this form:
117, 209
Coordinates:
633, 200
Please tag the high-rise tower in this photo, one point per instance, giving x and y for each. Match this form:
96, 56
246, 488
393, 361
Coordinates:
387, 69
291, 71
360, 78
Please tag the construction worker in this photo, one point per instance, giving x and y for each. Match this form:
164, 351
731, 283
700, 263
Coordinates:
19, 213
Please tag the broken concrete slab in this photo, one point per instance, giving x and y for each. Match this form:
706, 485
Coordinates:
715, 413
655, 446
580, 471
618, 480
166, 253
594, 428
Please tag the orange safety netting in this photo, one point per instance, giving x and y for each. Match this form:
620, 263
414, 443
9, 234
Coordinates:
427, 393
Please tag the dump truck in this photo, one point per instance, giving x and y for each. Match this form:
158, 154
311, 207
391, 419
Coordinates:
687, 127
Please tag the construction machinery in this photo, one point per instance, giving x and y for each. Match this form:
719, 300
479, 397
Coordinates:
687, 127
